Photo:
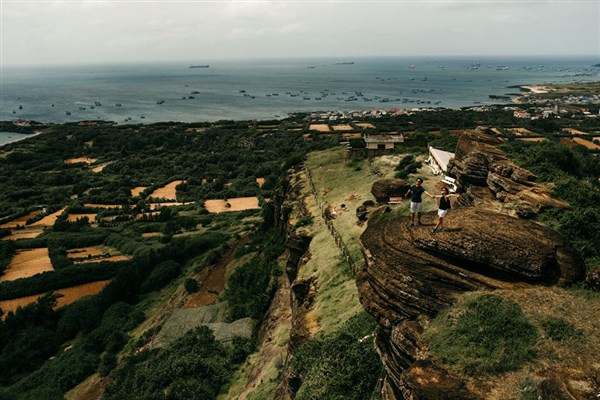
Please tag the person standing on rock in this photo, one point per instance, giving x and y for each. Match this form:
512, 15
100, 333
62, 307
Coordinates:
443, 207
416, 202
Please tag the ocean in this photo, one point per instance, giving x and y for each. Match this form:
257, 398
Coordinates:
268, 89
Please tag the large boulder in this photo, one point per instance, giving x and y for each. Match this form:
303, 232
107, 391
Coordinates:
383, 189
410, 272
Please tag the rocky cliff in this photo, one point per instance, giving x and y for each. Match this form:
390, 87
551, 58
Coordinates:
485, 176
410, 273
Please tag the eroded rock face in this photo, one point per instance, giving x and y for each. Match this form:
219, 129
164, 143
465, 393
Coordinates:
383, 189
479, 164
410, 272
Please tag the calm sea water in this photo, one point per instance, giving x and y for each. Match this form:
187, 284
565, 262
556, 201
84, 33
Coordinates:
268, 89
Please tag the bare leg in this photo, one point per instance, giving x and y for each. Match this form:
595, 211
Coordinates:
419, 218
412, 219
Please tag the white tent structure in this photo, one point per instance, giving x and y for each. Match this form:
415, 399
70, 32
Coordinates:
438, 162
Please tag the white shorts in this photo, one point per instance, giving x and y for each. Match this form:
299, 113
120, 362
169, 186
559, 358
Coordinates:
442, 213
416, 207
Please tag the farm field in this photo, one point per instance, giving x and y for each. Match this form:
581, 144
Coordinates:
50, 219
236, 204
68, 296
341, 128
319, 127
121, 257
26, 263
28, 233
75, 217
83, 255
78, 160
157, 206
586, 143
19, 221
166, 192
137, 190
95, 205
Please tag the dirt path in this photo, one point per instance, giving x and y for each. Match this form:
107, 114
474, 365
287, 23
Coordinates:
212, 280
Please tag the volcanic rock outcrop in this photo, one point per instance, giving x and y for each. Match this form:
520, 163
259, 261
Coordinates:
484, 173
410, 272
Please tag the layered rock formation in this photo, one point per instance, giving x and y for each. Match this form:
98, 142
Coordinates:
410, 272
484, 174
383, 189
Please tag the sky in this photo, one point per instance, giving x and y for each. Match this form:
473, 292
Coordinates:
86, 31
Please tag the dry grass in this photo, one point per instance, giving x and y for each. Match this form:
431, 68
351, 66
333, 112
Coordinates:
532, 139
260, 181
236, 204
77, 160
91, 251
50, 219
68, 296
365, 125
158, 206
151, 234
21, 221
342, 128
100, 167
95, 205
74, 217
586, 143
352, 135
166, 192
24, 234
117, 258
574, 131
319, 127
26, 263
521, 131
148, 214
137, 190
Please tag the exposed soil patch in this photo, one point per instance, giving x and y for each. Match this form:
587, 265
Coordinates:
586, 143
319, 127
260, 181
237, 204
26, 263
49, 220
342, 128
21, 221
24, 234
166, 192
137, 190
74, 217
78, 160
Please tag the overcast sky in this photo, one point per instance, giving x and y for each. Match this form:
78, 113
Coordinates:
79, 31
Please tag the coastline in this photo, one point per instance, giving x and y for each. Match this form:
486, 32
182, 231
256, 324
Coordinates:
16, 137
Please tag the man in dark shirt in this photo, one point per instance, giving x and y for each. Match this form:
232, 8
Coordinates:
416, 202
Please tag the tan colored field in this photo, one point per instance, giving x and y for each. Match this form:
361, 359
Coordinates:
319, 127
521, 131
166, 192
78, 160
496, 131
68, 296
26, 263
148, 214
121, 257
24, 234
573, 131
137, 190
365, 125
532, 139
50, 219
95, 205
260, 181
340, 128
237, 204
84, 252
352, 135
151, 234
75, 217
99, 168
19, 221
158, 206
586, 143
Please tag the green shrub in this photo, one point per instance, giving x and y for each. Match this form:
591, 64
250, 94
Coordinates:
305, 220
483, 334
560, 329
408, 165
341, 365
191, 285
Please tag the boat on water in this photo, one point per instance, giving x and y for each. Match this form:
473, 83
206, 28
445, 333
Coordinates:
160, 101
344, 63
502, 67
200, 66
67, 112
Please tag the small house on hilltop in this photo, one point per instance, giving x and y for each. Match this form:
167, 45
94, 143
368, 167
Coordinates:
381, 143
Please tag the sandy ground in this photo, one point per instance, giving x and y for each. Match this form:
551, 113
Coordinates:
50, 219
137, 190
84, 252
121, 257
75, 217
19, 221
536, 89
586, 143
24, 234
319, 127
99, 168
260, 181
69, 295
237, 204
78, 160
95, 205
339, 128
158, 206
574, 131
166, 192
532, 139
26, 263
365, 125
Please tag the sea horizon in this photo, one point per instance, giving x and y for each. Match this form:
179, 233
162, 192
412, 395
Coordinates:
272, 88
